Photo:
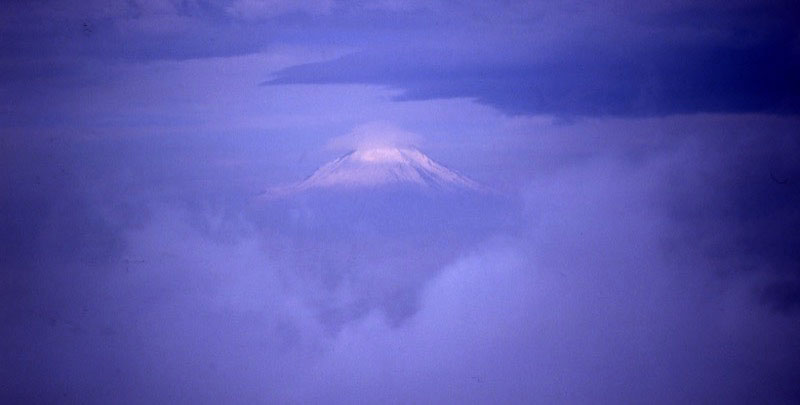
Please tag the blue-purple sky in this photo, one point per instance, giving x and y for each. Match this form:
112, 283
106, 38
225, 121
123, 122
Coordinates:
646, 248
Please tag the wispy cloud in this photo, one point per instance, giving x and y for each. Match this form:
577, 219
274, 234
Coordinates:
374, 135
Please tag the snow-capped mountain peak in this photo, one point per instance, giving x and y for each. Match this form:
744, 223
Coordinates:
382, 166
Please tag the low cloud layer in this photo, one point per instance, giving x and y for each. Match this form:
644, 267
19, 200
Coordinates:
594, 294
636, 241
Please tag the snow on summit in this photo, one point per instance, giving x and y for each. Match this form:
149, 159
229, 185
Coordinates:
381, 166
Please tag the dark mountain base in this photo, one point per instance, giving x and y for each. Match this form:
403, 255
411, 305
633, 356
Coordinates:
387, 241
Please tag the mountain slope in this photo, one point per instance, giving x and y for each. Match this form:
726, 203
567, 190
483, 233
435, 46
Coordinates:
386, 214
379, 167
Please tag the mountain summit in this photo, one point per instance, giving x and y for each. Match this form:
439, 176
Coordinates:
385, 166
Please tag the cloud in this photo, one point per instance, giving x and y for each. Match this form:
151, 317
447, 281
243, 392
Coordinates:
587, 81
374, 135
636, 63
634, 260
196, 296
258, 9
82, 33
782, 296
521, 58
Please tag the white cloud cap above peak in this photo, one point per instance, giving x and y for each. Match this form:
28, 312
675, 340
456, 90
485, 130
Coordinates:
375, 135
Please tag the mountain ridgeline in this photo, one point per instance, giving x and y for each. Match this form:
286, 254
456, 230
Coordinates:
387, 190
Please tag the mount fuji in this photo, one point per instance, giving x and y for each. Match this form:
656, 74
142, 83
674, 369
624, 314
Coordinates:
384, 213
379, 219
383, 167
